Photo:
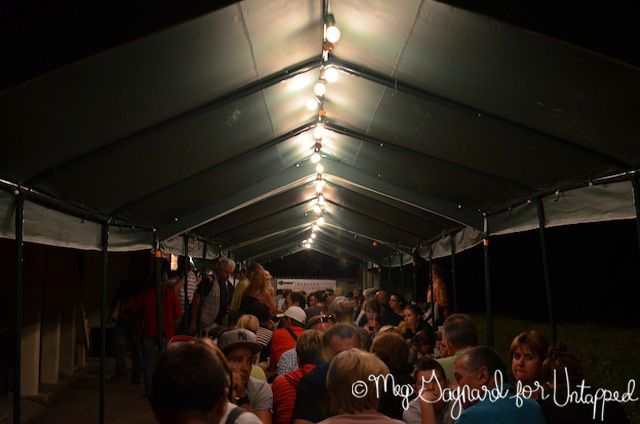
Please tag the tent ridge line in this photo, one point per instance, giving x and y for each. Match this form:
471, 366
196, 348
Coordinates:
251, 88
376, 77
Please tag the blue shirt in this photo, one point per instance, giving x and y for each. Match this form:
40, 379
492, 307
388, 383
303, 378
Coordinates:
288, 362
503, 411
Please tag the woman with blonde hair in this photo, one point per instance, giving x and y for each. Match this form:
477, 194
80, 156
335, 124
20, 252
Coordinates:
528, 351
259, 289
352, 395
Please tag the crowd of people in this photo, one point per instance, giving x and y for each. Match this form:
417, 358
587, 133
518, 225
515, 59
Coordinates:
248, 354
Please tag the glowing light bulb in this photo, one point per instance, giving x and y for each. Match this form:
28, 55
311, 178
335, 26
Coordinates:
319, 168
313, 235
321, 200
308, 246
333, 34
318, 132
314, 227
331, 74
312, 104
315, 158
320, 185
320, 89
320, 220
317, 209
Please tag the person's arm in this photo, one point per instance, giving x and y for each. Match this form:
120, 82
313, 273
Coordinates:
264, 415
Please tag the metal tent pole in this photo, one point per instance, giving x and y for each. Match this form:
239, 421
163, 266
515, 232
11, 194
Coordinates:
389, 269
103, 313
186, 285
454, 288
487, 283
158, 277
401, 274
433, 293
414, 288
17, 387
545, 267
636, 197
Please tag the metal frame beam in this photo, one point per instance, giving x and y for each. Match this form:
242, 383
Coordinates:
378, 78
349, 251
458, 213
378, 142
269, 187
241, 92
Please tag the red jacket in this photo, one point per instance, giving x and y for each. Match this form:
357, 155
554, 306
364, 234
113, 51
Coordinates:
284, 394
281, 341
171, 311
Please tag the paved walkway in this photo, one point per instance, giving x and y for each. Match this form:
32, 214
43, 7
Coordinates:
78, 401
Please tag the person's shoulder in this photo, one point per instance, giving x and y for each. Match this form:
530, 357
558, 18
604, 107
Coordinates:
257, 384
245, 417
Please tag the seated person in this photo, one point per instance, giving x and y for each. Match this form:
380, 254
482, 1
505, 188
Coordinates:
346, 368
191, 384
428, 407
240, 347
475, 370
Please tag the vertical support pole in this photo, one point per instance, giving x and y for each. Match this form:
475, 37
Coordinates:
158, 264
103, 313
433, 293
454, 288
186, 284
389, 269
487, 283
545, 267
401, 275
204, 257
416, 258
17, 387
636, 197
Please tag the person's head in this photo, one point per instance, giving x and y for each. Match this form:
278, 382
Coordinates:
321, 322
339, 338
396, 303
381, 297
528, 351
258, 277
423, 343
342, 309
412, 316
312, 300
189, 384
372, 309
391, 349
346, 368
458, 332
249, 322
295, 299
309, 347
261, 312
563, 364
426, 373
476, 367
239, 347
224, 268
294, 316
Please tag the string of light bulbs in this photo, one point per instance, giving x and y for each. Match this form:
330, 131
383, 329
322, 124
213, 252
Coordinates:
328, 75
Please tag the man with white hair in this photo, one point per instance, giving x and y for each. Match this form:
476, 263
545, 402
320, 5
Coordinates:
210, 302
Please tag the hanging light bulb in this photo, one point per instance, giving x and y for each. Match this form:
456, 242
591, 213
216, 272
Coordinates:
319, 168
304, 241
313, 235
317, 209
320, 220
308, 246
331, 74
312, 104
314, 227
321, 200
310, 241
315, 158
320, 89
333, 34
318, 131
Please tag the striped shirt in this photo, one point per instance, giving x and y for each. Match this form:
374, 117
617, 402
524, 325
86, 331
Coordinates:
192, 284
